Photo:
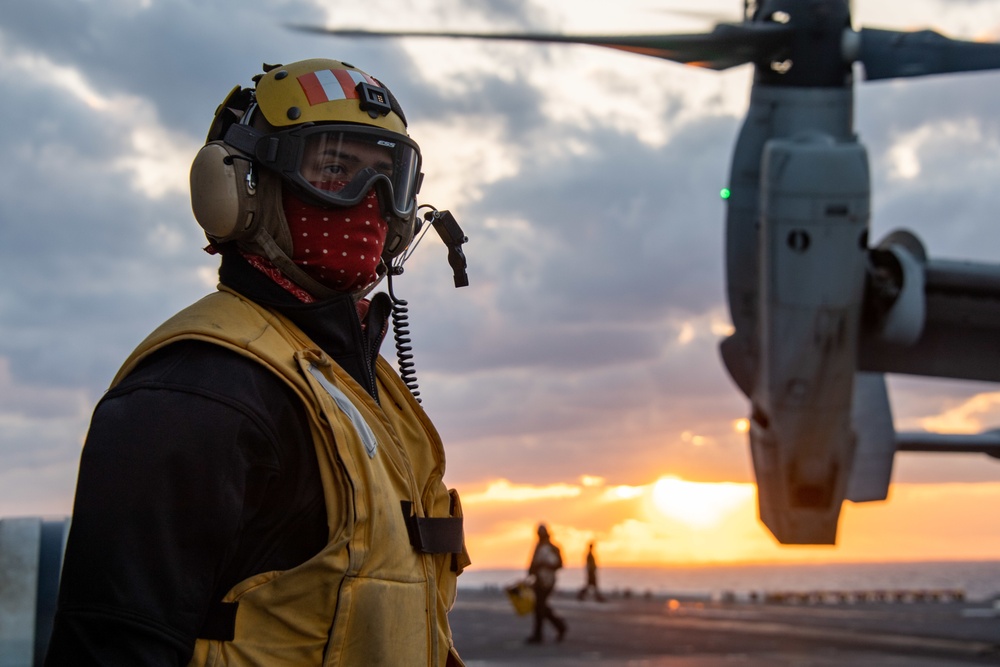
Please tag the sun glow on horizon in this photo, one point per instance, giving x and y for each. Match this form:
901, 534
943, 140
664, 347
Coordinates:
671, 520
699, 504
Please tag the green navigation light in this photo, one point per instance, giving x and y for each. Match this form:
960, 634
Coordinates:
724, 193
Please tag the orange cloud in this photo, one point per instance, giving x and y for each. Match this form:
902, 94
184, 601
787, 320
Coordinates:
675, 521
502, 491
972, 416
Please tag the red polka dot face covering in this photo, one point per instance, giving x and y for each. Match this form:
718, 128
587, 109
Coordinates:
339, 247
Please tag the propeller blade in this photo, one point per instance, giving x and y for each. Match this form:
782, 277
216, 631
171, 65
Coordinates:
888, 54
728, 45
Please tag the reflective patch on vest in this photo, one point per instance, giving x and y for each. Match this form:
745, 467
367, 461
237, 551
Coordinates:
345, 405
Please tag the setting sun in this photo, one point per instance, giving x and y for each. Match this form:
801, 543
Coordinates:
670, 520
698, 504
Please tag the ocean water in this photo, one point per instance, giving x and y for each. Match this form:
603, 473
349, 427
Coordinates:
980, 580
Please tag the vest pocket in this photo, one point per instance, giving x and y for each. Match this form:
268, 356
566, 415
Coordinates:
282, 619
381, 622
247, 585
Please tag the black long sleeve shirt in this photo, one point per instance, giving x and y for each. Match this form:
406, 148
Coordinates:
198, 472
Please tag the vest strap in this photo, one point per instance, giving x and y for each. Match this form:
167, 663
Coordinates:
433, 535
220, 622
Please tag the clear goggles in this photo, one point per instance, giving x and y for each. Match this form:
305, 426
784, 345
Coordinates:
339, 164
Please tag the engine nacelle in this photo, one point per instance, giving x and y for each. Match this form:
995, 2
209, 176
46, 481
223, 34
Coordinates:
813, 244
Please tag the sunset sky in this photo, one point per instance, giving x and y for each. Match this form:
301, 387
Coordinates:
577, 380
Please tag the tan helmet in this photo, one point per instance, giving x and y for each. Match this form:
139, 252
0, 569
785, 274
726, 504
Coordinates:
255, 147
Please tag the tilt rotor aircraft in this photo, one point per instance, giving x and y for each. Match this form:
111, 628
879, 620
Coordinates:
821, 314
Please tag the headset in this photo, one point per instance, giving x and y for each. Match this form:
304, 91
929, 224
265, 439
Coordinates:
224, 192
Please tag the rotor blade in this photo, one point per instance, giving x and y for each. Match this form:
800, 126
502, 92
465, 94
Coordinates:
728, 45
888, 54
714, 17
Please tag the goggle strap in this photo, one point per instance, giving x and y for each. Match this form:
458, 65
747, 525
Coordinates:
242, 138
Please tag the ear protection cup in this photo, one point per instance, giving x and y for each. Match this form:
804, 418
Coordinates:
223, 192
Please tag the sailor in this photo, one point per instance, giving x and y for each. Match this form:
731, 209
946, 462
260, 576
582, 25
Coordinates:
259, 486
546, 559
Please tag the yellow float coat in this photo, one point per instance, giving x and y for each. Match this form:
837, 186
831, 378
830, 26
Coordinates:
369, 597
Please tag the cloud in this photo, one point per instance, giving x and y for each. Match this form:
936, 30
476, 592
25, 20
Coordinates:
586, 180
971, 416
38, 402
502, 490
673, 520
40, 430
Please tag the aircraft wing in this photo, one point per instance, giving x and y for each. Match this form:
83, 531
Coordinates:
877, 441
972, 443
961, 327
933, 318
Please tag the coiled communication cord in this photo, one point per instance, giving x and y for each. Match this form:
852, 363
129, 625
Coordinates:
401, 313
401, 334
453, 237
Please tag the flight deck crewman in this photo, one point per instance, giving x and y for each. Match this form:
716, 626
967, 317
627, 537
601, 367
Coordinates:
258, 486
546, 559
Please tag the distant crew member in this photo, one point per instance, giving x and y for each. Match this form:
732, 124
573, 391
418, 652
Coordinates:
591, 584
542, 573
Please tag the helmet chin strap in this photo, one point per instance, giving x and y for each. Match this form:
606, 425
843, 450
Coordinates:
277, 257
